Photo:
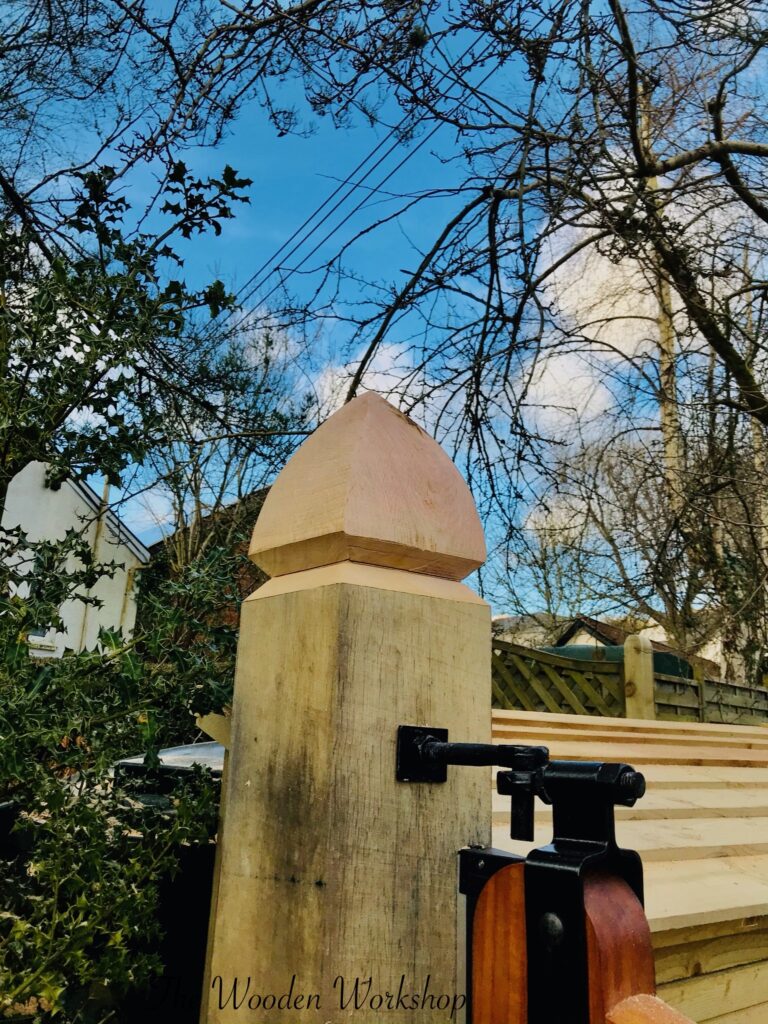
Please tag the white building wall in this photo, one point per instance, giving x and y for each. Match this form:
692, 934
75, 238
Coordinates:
586, 638
46, 514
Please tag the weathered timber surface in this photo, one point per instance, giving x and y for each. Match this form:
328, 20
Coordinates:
722, 994
314, 784
336, 883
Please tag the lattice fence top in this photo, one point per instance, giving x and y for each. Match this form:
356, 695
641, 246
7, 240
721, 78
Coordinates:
524, 679
529, 680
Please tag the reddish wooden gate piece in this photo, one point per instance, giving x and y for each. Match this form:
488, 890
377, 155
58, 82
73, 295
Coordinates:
620, 956
499, 958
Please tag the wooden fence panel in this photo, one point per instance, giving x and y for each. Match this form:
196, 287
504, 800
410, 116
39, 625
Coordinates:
524, 679
709, 700
677, 700
529, 680
733, 703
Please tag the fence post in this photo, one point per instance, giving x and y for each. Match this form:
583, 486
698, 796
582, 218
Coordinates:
698, 678
638, 678
331, 873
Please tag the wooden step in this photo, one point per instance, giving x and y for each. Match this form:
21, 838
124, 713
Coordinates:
664, 776
726, 997
673, 840
679, 894
672, 776
702, 832
640, 753
667, 804
747, 1015
682, 953
528, 719
538, 734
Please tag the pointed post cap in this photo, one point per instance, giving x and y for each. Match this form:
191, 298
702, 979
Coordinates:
369, 486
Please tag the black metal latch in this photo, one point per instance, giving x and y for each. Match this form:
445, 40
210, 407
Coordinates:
583, 795
423, 755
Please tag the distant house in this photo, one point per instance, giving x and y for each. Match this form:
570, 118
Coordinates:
544, 630
536, 629
585, 630
46, 513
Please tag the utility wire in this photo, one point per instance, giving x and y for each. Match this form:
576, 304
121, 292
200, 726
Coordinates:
364, 200
308, 220
254, 283
352, 212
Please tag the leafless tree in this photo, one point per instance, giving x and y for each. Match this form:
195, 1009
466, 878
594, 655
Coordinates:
628, 134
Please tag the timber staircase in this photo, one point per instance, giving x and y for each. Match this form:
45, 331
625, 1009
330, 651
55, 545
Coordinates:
702, 832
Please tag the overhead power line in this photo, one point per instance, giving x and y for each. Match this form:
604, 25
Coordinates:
259, 278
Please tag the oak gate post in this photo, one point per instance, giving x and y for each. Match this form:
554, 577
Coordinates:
337, 884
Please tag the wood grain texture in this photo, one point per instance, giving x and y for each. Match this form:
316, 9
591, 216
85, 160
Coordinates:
680, 777
213, 916
690, 838
752, 1015
215, 726
377, 577
690, 952
499, 958
330, 868
648, 752
370, 486
725, 992
616, 734
665, 804
643, 1009
677, 936
639, 684
619, 951
697, 893
638, 725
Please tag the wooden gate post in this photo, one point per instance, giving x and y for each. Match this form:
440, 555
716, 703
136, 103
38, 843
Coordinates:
639, 687
332, 873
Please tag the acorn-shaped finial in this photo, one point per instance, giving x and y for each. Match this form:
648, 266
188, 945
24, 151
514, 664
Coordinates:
370, 486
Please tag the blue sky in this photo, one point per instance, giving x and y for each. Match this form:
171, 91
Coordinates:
292, 176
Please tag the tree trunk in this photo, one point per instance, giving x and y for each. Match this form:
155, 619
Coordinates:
669, 415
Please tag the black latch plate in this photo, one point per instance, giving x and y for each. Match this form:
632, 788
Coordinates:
409, 765
477, 865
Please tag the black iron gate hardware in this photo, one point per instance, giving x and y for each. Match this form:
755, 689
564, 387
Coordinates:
583, 795
424, 753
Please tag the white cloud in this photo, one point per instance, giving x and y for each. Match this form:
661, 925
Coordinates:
387, 371
148, 512
611, 304
566, 393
